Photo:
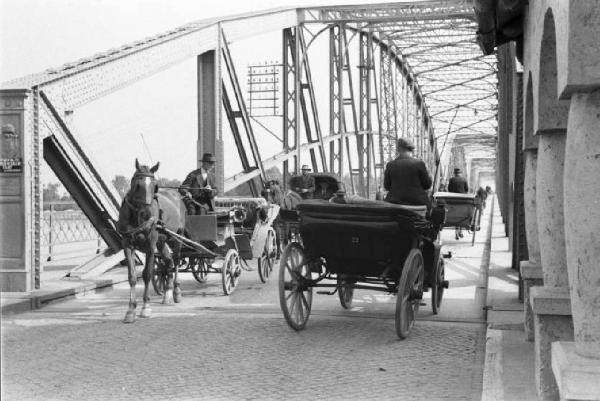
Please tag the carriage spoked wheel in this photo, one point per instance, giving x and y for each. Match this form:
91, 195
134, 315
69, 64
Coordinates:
345, 293
438, 285
268, 256
410, 292
160, 276
295, 297
231, 271
199, 269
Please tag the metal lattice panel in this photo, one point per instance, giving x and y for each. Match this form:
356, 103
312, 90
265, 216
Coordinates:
437, 42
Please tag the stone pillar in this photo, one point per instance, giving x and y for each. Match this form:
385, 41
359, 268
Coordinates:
531, 270
18, 157
577, 365
550, 303
550, 210
209, 109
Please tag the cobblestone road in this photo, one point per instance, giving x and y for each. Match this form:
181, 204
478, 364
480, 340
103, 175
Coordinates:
212, 347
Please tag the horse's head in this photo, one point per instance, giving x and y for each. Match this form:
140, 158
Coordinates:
143, 185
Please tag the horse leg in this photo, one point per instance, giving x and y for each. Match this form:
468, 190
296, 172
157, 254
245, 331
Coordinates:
177, 284
147, 275
130, 315
168, 260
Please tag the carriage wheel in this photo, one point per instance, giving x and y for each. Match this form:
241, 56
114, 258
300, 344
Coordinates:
160, 276
231, 271
438, 285
410, 292
345, 293
295, 297
199, 269
269, 254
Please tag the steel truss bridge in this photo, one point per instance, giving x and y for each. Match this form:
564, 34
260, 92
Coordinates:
420, 75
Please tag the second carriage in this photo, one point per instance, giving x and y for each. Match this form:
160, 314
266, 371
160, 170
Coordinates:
224, 242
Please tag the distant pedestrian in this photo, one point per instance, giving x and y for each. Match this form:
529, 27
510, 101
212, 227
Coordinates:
482, 195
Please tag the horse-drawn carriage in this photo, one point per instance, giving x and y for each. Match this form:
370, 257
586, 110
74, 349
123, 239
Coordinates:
154, 221
462, 211
223, 242
376, 246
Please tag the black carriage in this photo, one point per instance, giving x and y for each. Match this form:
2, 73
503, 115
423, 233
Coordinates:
223, 242
462, 211
377, 246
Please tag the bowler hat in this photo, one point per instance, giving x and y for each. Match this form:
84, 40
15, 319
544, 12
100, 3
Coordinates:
457, 171
208, 158
406, 144
305, 167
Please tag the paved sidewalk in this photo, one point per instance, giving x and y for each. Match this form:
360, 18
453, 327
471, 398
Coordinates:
509, 358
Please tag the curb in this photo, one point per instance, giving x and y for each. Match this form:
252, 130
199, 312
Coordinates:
492, 388
37, 301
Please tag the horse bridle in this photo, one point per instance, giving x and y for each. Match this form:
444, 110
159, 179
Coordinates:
150, 223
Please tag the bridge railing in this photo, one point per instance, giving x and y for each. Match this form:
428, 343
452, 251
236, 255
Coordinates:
67, 232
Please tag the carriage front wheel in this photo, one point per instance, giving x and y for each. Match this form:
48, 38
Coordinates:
160, 276
295, 297
410, 292
268, 256
345, 293
231, 271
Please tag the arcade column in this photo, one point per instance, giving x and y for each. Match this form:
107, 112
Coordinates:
550, 303
531, 270
18, 213
576, 365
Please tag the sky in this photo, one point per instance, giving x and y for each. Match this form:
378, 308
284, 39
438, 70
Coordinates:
154, 119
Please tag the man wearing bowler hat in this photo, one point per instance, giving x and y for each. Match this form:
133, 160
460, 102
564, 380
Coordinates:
304, 185
199, 187
406, 178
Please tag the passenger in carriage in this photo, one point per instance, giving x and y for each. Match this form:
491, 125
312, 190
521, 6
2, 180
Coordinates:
304, 185
406, 178
199, 187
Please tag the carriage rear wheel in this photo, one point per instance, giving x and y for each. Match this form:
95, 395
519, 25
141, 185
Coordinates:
410, 292
345, 293
199, 269
438, 285
295, 297
160, 276
231, 271
268, 256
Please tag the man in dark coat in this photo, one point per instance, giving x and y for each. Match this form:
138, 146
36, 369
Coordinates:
406, 178
199, 187
458, 184
304, 185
